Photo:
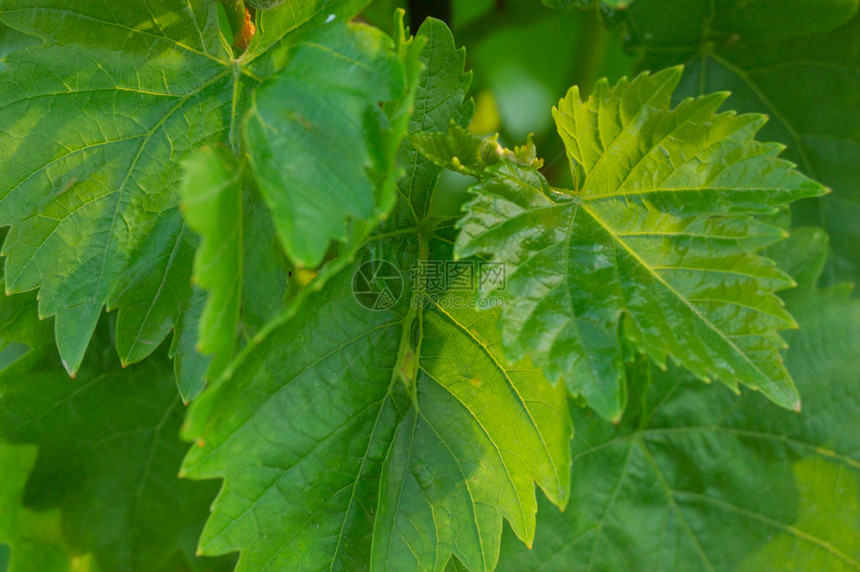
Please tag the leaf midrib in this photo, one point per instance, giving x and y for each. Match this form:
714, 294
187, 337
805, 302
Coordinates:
677, 294
513, 390
79, 15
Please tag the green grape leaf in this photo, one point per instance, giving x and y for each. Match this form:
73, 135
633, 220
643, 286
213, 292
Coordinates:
108, 454
266, 270
211, 192
321, 146
16, 323
798, 62
658, 231
695, 479
95, 122
36, 536
444, 459
395, 438
460, 150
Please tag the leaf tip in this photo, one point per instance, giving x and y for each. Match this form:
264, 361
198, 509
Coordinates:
796, 406
72, 371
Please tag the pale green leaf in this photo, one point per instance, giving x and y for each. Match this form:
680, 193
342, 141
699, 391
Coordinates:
464, 152
321, 146
211, 192
657, 231
95, 122
696, 479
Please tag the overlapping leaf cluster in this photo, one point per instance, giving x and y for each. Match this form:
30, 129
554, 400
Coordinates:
235, 194
658, 233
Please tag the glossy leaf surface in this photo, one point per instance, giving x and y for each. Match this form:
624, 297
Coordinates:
696, 479
657, 231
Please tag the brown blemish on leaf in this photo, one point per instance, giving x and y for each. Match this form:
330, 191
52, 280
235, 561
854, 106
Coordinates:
245, 33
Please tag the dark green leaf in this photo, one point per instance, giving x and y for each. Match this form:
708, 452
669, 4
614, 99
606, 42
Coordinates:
265, 4
12, 41
36, 535
108, 457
